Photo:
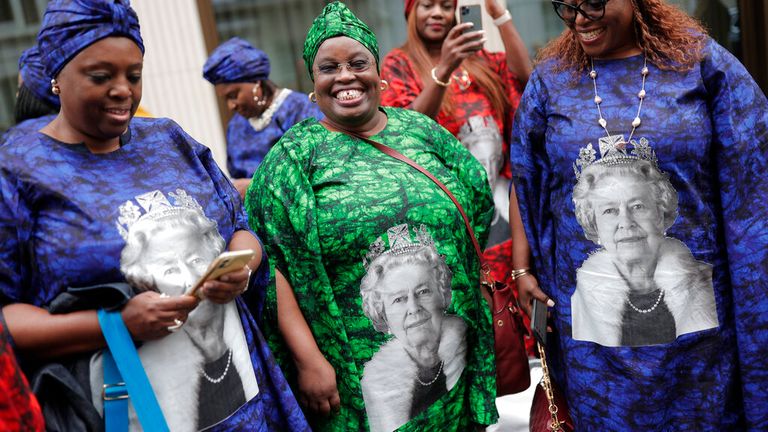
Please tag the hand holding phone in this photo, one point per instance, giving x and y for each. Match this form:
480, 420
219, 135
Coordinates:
225, 263
471, 13
539, 322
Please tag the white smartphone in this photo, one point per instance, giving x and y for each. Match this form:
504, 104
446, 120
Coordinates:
227, 262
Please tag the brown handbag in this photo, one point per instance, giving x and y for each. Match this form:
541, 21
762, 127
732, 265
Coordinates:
549, 411
512, 370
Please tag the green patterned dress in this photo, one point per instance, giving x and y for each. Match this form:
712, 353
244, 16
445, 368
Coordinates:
320, 201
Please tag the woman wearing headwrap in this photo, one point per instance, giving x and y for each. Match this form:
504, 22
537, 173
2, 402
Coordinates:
35, 104
262, 110
330, 205
75, 195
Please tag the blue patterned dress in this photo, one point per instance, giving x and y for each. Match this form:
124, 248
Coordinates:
26, 127
59, 207
708, 128
246, 146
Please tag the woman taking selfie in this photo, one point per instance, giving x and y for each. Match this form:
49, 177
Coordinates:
639, 154
71, 197
337, 212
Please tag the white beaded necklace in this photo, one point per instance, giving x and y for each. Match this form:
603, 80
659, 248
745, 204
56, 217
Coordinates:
640, 95
650, 309
223, 374
434, 380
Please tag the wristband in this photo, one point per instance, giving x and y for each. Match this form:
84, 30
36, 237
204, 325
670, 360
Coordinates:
506, 16
437, 81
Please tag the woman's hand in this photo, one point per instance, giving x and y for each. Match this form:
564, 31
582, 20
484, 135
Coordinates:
458, 46
317, 386
494, 9
149, 315
227, 287
528, 290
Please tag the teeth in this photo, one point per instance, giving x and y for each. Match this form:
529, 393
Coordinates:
348, 94
588, 36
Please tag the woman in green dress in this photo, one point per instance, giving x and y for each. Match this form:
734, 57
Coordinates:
376, 311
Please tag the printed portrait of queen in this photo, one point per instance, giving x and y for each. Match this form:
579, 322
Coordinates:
639, 287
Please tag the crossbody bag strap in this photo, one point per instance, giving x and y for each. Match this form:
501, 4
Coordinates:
389, 151
126, 358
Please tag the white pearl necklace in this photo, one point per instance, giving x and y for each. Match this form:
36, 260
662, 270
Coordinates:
437, 375
221, 378
650, 309
640, 95
265, 118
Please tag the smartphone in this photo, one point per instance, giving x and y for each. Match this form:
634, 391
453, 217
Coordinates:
539, 322
471, 13
227, 262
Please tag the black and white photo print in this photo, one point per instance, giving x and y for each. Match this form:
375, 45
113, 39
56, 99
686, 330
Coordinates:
639, 287
405, 293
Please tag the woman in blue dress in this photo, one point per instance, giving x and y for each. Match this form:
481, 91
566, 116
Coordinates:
639, 160
262, 111
75, 195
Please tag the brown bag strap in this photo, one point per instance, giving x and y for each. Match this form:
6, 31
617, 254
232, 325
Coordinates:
389, 151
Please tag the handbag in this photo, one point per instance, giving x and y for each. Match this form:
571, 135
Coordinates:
549, 411
512, 370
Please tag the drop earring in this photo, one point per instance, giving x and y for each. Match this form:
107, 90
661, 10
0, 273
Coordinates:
55, 87
259, 101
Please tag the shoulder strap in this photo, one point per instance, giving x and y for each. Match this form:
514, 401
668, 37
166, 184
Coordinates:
389, 151
129, 366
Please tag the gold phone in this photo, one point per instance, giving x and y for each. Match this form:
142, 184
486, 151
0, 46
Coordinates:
227, 262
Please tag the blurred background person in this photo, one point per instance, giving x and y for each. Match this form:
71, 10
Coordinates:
36, 104
329, 203
640, 80
262, 111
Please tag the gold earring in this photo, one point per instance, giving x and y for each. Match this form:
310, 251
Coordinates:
55, 87
312, 97
384, 85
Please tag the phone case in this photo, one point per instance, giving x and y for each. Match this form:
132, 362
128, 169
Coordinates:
539, 322
225, 263
473, 14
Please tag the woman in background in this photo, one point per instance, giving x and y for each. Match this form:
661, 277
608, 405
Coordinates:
262, 111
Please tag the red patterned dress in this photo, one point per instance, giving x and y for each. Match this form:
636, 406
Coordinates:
19, 410
470, 101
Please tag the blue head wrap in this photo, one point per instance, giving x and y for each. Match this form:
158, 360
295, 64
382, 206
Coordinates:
33, 74
236, 61
70, 26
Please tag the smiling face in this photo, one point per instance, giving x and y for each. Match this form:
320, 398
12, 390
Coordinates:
413, 305
434, 18
629, 223
348, 98
239, 98
101, 90
610, 37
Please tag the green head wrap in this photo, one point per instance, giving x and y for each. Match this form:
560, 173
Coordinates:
337, 20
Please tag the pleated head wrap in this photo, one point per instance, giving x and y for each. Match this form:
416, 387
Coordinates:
34, 77
236, 61
70, 26
337, 20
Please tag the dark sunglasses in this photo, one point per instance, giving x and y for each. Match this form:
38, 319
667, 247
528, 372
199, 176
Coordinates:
592, 10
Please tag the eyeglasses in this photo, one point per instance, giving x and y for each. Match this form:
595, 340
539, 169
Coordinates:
592, 10
354, 66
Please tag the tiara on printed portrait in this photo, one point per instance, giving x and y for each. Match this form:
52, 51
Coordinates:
154, 206
614, 151
401, 241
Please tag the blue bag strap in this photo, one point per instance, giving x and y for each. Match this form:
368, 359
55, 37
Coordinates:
115, 396
130, 367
